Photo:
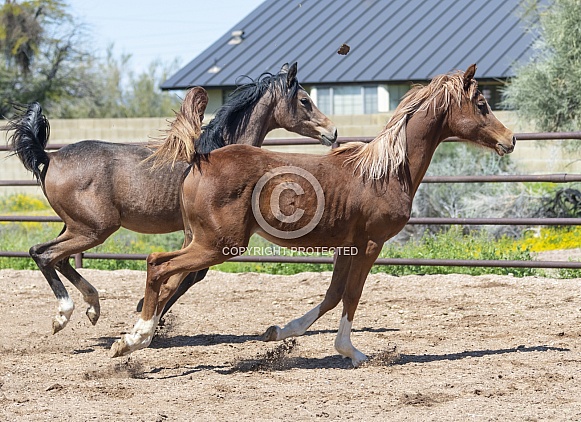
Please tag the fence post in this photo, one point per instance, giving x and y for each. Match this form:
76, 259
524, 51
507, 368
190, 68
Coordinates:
79, 260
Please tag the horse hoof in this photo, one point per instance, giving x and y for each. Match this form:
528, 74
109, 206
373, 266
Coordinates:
93, 314
58, 323
358, 362
139, 306
271, 334
119, 348
358, 359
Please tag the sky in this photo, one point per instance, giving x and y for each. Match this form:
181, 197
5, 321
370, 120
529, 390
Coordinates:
158, 29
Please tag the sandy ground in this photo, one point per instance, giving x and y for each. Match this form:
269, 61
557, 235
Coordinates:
442, 348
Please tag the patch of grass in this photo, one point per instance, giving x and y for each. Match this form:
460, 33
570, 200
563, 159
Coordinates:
24, 204
125, 241
449, 244
454, 244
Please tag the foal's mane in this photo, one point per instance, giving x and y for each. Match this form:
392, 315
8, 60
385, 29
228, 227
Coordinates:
178, 143
232, 118
387, 153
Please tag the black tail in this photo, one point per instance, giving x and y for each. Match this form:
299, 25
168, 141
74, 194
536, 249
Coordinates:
30, 134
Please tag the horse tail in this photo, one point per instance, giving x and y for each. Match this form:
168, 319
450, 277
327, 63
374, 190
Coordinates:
31, 131
186, 128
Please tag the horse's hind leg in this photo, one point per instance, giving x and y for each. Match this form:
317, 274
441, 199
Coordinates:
189, 281
66, 304
90, 294
51, 254
299, 326
186, 284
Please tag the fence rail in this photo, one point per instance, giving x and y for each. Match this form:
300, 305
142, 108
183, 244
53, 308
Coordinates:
553, 178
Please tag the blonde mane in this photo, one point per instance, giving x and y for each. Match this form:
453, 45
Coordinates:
387, 153
184, 130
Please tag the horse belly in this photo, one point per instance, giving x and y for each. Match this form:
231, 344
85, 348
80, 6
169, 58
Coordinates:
153, 223
156, 210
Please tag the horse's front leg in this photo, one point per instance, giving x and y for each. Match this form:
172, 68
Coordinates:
299, 326
165, 271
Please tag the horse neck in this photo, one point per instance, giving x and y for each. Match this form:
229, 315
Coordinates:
424, 133
260, 122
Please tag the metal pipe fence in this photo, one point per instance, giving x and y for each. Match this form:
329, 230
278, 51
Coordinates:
553, 178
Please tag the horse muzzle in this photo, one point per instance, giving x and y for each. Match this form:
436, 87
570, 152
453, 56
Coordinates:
502, 149
328, 137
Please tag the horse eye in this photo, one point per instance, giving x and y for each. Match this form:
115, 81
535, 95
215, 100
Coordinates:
306, 103
482, 106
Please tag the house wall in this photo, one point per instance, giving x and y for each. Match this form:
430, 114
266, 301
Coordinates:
530, 156
214, 100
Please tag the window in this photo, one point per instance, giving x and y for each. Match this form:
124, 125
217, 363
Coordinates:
493, 95
357, 99
370, 98
322, 98
396, 93
347, 99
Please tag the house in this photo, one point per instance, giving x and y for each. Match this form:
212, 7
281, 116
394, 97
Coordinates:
391, 43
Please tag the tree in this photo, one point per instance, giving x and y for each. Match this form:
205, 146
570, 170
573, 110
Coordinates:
470, 200
43, 58
115, 91
145, 97
547, 90
20, 33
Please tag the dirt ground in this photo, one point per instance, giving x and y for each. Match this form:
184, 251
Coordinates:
442, 348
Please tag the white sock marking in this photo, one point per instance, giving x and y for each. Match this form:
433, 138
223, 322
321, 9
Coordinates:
343, 343
142, 334
298, 326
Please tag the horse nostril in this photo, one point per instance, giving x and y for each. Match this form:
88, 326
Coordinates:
335, 134
513, 140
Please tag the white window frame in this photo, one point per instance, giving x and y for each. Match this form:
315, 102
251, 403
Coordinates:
382, 96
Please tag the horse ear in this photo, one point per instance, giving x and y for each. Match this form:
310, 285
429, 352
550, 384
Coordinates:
292, 74
284, 68
469, 75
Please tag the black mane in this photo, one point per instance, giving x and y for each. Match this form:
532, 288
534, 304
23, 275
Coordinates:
231, 119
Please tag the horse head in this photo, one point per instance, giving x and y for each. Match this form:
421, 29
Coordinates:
473, 120
296, 111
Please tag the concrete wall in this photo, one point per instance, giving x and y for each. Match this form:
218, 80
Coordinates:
66, 131
530, 156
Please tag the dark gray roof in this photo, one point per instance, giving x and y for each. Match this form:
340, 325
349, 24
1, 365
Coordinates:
390, 40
